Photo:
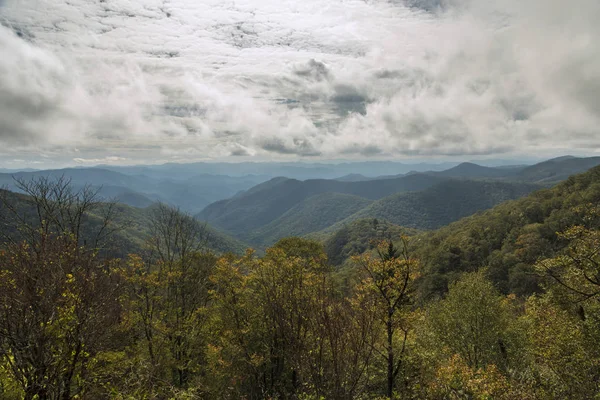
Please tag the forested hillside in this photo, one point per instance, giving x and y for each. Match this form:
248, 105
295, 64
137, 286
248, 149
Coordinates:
557, 169
111, 301
441, 204
357, 237
313, 214
274, 209
511, 237
263, 204
130, 226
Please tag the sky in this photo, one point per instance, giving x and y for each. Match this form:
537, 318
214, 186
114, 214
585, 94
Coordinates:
86, 82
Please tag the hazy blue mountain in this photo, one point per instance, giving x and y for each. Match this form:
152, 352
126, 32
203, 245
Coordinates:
191, 193
296, 170
12, 171
557, 169
471, 170
193, 187
545, 172
353, 178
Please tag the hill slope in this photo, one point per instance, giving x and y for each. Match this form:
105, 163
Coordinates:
507, 239
471, 170
511, 237
311, 215
356, 237
135, 223
265, 203
441, 204
557, 169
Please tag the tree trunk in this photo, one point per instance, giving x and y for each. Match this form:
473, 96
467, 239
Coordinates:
390, 356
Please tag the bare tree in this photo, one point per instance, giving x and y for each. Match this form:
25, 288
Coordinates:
178, 268
174, 235
53, 208
58, 299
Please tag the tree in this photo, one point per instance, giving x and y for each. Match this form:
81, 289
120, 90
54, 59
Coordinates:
389, 281
576, 271
562, 350
54, 208
169, 293
565, 322
58, 298
472, 322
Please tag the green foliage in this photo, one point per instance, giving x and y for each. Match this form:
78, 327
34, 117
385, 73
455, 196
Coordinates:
176, 321
508, 239
129, 228
387, 286
357, 237
562, 350
9, 386
472, 322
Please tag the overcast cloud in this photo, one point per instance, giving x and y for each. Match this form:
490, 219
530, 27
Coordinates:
125, 81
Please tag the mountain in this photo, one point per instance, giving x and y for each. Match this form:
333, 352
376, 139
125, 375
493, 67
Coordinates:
546, 172
507, 239
79, 177
470, 170
135, 223
140, 188
557, 169
295, 170
133, 199
437, 206
311, 215
462, 190
12, 171
511, 237
265, 203
352, 178
442, 204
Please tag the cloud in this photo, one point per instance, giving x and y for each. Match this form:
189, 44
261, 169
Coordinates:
314, 70
104, 160
270, 78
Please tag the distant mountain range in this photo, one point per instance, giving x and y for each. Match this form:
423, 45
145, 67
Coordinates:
288, 207
190, 193
250, 203
243, 214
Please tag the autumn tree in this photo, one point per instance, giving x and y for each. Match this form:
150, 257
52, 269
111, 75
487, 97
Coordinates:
169, 292
389, 282
565, 322
472, 322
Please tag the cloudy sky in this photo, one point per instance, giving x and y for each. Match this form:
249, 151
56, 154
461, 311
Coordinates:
145, 81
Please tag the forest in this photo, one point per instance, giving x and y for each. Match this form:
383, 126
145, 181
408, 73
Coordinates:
503, 304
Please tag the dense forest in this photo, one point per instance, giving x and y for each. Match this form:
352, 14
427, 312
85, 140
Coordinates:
499, 305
